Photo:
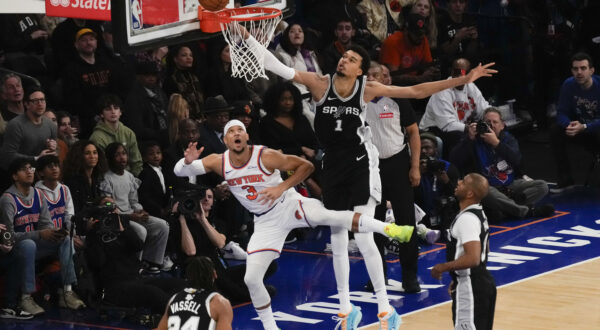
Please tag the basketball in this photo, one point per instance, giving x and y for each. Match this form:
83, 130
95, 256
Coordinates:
214, 5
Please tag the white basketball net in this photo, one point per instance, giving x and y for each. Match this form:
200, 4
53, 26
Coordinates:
247, 61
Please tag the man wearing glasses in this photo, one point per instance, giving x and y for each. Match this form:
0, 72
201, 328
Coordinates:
29, 135
448, 111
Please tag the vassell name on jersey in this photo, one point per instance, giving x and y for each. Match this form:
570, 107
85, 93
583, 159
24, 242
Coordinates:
185, 306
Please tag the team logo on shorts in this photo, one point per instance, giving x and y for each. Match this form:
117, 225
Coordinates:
298, 215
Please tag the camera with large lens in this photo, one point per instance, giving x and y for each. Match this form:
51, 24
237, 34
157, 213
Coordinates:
7, 238
482, 127
433, 164
447, 208
107, 226
188, 199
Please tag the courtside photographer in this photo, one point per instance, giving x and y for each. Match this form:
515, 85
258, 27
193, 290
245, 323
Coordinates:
435, 193
194, 235
112, 253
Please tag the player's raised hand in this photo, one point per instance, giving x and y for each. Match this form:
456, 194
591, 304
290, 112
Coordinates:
481, 71
191, 153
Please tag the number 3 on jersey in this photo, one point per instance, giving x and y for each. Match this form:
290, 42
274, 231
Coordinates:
252, 193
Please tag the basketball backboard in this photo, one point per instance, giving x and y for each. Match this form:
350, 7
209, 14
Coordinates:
145, 24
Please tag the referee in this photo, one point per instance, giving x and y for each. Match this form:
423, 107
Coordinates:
472, 288
390, 121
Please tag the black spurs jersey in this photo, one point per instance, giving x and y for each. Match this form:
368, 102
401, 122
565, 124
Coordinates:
190, 310
340, 122
484, 235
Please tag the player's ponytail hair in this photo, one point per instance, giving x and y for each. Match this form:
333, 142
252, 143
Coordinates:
200, 273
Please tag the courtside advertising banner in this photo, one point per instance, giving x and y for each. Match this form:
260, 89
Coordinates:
88, 9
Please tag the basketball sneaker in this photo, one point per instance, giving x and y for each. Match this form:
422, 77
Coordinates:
400, 233
389, 321
348, 321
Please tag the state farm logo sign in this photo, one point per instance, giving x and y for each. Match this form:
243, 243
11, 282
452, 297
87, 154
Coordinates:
88, 9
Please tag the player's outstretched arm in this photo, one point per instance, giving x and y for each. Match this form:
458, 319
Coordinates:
424, 90
221, 312
190, 165
273, 160
315, 83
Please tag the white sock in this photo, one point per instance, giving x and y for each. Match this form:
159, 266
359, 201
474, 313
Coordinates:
267, 319
370, 254
68, 287
341, 266
367, 224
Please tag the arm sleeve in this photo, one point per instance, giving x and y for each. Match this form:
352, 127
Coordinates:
407, 113
133, 194
12, 142
480, 101
45, 220
271, 62
193, 169
69, 208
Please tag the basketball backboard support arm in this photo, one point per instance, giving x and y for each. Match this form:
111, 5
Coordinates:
145, 24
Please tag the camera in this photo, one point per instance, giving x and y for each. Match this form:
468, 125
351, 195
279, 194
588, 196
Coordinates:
433, 164
482, 127
107, 227
189, 198
7, 238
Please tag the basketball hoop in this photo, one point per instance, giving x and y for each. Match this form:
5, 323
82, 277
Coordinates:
247, 61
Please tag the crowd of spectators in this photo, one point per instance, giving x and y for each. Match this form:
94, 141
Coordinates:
96, 127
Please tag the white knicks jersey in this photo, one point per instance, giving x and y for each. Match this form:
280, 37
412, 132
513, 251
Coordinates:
245, 182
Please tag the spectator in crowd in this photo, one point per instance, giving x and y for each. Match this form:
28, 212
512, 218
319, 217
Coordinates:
24, 41
188, 132
111, 129
219, 80
438, 181
407, 54
284, 127
457, 34
61, 42
178, 110
157, 184
344, 32
426, 8
578, 117
9, 257
197, 236
385, 75
448, 112
25, 212
292, 52
29, 135
116, 265
381, 20
61, 146
86, 78
57, 195
120, 185
217, 112
396, 136
215, 309
83, 170
145, 108
12, 96
244, 112
182, 79
66, 131
493, 152
322, 19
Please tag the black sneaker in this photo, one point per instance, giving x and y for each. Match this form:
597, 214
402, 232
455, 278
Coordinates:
410, 283
543, 211
150, 268
15, 313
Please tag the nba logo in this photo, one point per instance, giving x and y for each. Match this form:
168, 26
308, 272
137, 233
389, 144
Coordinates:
136, 14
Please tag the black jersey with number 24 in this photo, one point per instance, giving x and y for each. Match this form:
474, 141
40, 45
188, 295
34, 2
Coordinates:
190, 309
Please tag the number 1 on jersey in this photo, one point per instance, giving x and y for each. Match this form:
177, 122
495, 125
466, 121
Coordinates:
338, 125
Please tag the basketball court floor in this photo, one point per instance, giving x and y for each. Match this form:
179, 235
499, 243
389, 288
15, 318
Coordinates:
546, 270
